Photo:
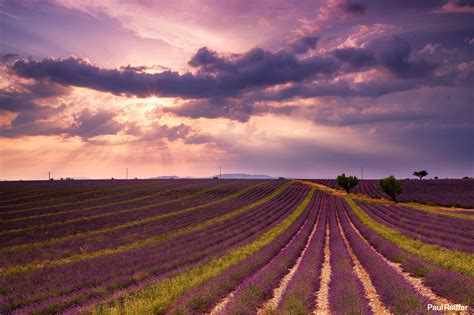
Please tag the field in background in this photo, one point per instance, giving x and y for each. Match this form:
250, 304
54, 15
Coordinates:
444, 192
192, 246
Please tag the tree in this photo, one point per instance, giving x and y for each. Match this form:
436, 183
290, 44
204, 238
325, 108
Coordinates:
348, 182
420, 174
391, 186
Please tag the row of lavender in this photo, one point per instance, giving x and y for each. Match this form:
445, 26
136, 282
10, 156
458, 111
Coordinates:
97, 276
110, 216
453, 286
345, 289
250, 286
46, 202
445, 192
93, 240
23, 192
450, 232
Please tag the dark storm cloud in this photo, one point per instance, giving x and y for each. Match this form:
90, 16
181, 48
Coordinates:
259, 68
77, 72
354, 7
231, 108
355, 58
235, 86
394, 54
24, 96
88, 124
391, 52
234, 109
9, 57
33, 118
219, 76
342, 89
14, 102
205, 57
403, 5
463, 3
216, 76
303, 44
28, 116
23, 101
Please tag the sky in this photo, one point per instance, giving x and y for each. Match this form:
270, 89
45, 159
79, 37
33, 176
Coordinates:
283, 87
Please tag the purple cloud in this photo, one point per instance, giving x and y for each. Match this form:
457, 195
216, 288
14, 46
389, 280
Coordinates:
224, 76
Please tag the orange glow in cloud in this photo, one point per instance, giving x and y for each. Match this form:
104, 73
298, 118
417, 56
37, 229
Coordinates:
255, 86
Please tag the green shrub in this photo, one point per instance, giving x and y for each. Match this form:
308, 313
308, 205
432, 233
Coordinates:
348, 182
391, 186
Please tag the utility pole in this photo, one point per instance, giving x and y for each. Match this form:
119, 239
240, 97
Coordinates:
49, 175
362, 172
220, 172
126, 173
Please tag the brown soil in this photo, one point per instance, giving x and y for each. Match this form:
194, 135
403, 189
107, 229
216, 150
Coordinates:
375, 303
322, 297
416, 282
278, 292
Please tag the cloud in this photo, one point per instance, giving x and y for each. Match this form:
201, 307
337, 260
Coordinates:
230, 75
394, 53
78, 72
390, 52
354, 7
463, 3
88, 124
216, 75
199, 139
234, 109
355, 58
23, 100
241, 85
173, 133
6, 58
340, 9
231, 108
435, 106
303, 44
458, 6
345, 88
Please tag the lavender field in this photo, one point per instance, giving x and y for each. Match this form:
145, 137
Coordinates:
195, 246
444, 192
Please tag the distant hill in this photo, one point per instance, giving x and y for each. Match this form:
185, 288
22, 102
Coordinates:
224, 176
244, 176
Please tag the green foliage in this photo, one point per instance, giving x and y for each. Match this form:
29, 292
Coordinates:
420, 174
348, 182
391, 186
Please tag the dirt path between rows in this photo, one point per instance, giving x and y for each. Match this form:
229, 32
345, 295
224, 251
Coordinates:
322, 296
375, 303
220, 306
416, 282
278, 292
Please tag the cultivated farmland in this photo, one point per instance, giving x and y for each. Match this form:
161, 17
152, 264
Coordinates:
231, 247
444, 192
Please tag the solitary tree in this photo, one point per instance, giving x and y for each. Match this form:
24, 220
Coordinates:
348, 182
391, 186
420, 174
